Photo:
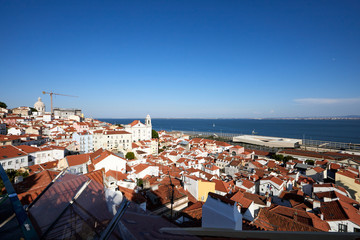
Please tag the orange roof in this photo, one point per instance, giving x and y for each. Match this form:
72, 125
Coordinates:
140, 167
33, 185
74, 160
102, 156
272, 221
43, 166
274, 180
116, 174
9, 151
240, 198
339, 210
28, 149
134, 123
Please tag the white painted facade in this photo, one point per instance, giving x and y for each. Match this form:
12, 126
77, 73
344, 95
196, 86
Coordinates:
140, 131
336, 225
120, 140
47, 155
15, 131
218, 214
268, 186
112, 162
150, 170
15, 163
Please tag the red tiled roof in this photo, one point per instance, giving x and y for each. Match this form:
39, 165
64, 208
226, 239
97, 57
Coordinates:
116, 174
132, 195
134, 123
248, 184
302, 216
43, 166
271, 221
140, 167
240, 198
274, 180
33, 185
9, 151
74, 160
194, 211
339, 210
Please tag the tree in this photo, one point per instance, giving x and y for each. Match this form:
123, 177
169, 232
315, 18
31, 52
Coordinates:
154, 134
3, 105
11, 175
130, 155
310, 162
33, 109
139, 182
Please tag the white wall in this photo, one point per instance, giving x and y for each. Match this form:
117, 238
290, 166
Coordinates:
334, 225
191, 185
112, 163
216, 214
15, 163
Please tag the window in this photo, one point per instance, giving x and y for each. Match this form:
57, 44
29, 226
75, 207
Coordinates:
9, 162
17, 160
342, 227
356, 229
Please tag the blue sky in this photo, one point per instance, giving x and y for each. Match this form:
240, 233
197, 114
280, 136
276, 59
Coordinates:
183, 58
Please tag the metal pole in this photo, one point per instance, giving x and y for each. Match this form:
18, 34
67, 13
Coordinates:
52, 110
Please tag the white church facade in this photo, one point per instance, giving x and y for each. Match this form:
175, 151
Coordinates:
140, 131
40, 107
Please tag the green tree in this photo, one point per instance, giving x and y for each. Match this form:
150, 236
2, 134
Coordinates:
3, 105
278, 157
310, 162
154, 134
130, 155
11, 175
139, 182
33, 109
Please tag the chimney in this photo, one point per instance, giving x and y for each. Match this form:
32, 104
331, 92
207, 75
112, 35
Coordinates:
322, 216
316, 204
18, 179
295, 216
268, 202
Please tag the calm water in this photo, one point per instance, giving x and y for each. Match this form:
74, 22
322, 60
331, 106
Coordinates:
327, 130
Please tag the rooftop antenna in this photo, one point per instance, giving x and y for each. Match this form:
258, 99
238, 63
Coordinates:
172, 197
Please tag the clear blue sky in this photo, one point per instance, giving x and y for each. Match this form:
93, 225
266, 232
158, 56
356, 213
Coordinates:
183, 58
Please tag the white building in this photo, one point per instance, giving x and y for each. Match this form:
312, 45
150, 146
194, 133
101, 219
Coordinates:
341, 216
272, 186
140, 131
65, 113
120, 140
221, 212
109, 161
142, 170
40, 107
42, 155
13, 158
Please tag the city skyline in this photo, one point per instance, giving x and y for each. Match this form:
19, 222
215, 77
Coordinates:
201, 59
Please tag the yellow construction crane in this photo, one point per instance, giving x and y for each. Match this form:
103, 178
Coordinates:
51, 98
